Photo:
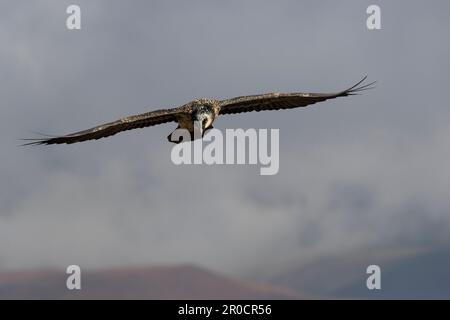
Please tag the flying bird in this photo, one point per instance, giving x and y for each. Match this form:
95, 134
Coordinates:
199, 115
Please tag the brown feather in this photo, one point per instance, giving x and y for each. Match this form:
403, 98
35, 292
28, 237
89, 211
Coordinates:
277, 101
108, 129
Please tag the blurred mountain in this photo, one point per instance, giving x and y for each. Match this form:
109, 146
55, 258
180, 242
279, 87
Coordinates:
405, 274
413, 274
174, 282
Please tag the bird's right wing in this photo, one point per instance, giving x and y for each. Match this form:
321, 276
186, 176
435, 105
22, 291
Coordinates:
277, 101
108, 129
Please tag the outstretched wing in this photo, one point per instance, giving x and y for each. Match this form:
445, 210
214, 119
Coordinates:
276, 101
108, 129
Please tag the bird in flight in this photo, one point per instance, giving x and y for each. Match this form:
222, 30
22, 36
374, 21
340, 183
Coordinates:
199, 115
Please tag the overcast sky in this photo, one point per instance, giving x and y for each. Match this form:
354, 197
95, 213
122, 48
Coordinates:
366, 171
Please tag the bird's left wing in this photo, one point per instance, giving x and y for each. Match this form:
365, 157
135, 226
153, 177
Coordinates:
108, 129
276, 101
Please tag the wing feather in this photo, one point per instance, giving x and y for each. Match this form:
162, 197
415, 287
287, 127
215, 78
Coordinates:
277, 101
108, 129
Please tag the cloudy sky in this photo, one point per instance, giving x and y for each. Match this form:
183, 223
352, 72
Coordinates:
370, 171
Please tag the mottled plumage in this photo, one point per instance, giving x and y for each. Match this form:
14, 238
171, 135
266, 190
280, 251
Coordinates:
205, 111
